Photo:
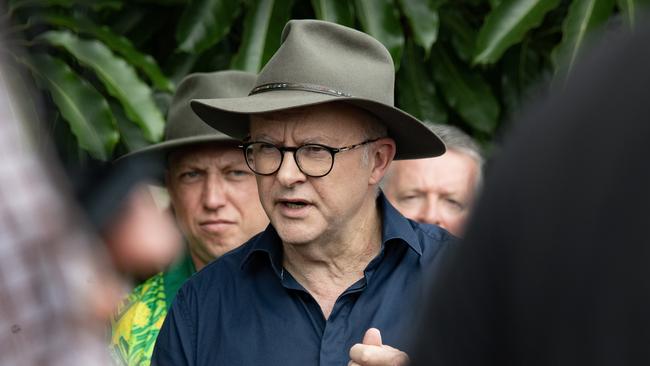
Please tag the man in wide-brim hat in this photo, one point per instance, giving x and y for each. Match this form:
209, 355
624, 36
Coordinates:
214, 200
334, 277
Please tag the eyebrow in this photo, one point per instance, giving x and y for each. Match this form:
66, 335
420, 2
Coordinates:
413, 191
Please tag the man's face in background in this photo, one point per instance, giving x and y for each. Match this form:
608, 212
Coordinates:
436, 191
215, 201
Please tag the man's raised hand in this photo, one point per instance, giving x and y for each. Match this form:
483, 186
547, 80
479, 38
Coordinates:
371, 352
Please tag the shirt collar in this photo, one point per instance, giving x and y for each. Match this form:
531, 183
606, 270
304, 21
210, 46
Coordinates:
269, 243
395, 227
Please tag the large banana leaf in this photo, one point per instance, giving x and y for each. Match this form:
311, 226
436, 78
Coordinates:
85, 109
523, 69
630, 9
380, 19
263, 26
67, 146
583, 17
94, 4
130, 135
415, 90
494, 3
148, 32
204, 23
119, 78
507, 24
465, 91
179, 65
459, 31
128, 19
336, 11
117, 43
423, 19
162, 2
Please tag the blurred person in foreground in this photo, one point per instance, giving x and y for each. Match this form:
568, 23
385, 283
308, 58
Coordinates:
55, 287
214, 200
117, 200
438, 190
58, 283
338, 264
554, 269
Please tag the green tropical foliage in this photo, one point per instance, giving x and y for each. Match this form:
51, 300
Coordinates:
108, 68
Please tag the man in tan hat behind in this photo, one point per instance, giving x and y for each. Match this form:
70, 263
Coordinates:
214, 199
334, 278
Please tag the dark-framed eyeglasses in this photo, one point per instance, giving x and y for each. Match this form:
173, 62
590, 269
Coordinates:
313, 160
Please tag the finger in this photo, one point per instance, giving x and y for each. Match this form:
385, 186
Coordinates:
372, 337
362, 354
352, 363
366, 355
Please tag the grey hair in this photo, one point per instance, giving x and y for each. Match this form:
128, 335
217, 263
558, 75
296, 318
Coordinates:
457, 140
372, 130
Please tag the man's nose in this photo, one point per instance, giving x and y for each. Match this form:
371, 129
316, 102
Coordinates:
289, 174
214, 192
430, 212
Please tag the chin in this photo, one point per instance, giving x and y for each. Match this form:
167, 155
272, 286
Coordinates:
299, 231
295, 234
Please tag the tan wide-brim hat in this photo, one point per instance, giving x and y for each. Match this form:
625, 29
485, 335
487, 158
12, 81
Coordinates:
183, 127
321, 62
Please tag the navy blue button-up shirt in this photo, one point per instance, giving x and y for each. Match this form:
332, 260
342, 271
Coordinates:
245, 309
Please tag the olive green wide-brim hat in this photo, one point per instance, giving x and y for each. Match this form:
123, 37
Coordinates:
183, 127
321, 62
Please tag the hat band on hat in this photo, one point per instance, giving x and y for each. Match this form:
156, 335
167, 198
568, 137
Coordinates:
298, 86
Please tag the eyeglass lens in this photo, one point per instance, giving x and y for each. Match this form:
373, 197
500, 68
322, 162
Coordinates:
265, 159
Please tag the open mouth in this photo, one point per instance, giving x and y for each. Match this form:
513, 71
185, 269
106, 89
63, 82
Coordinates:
295, 204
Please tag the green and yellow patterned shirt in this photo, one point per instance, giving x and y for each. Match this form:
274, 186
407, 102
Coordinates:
138, 319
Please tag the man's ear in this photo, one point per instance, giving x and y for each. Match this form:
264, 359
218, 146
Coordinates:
383, 155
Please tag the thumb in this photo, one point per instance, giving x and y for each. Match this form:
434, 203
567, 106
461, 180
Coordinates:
372, 337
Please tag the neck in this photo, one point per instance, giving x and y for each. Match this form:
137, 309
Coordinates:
198, 263
326, 268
